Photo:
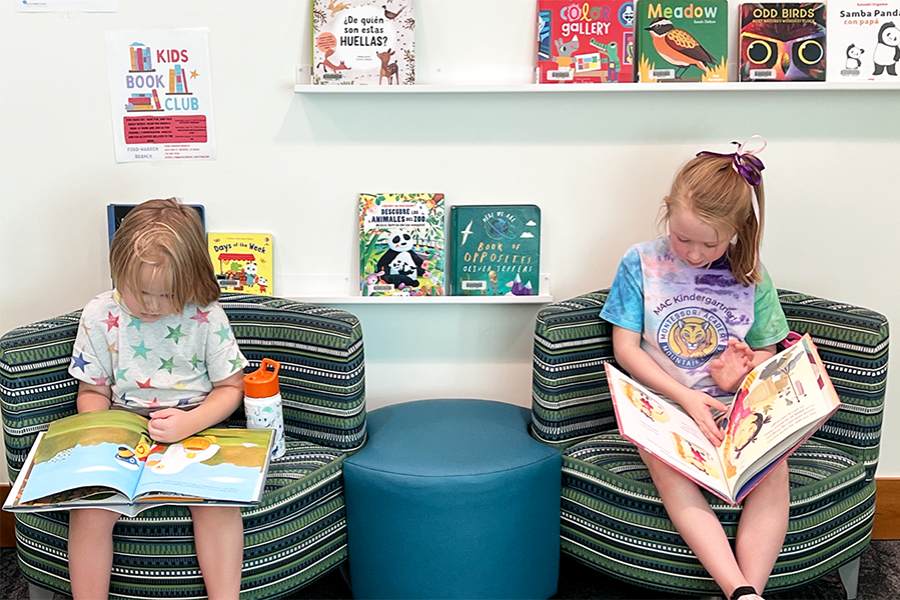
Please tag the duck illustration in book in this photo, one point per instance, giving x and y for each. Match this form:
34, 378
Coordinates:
171, 459
696, 457
648, 408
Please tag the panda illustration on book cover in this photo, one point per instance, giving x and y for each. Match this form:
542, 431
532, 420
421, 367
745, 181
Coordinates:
401, 244
864, 40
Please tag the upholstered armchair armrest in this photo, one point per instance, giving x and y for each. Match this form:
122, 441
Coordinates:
853, 344
35, 385
570, 395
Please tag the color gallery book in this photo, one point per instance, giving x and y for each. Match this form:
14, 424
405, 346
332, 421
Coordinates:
777, 407
106, 459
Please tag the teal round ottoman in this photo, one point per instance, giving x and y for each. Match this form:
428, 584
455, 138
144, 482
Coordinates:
452, 499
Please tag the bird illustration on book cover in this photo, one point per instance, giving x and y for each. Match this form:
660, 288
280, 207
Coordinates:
782, 42
682, 41
363, 42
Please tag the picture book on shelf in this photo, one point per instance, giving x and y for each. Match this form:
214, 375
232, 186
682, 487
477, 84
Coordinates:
863, 40
363, 42
779, 404
495, 250
243, 262
589, 42
682, 40
106, 459
116, 212
781, 41
401, 244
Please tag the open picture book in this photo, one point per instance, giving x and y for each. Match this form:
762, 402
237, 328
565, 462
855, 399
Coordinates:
779, 404
106, 459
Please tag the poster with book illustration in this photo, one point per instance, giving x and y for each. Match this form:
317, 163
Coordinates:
863, 41
495, 250
160, 83
682, 40
106, 459
363, 42
401, 244
782, 41
779, 404
585, 42
243, 262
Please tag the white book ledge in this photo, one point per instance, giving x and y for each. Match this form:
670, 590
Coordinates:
587, 88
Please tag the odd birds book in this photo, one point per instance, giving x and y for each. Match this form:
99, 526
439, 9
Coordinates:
590, 42
401, 244
495, 250
363, 42
782, 42
681, 40
243, 262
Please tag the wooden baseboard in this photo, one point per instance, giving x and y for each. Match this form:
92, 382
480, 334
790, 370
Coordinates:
887, 513
887, 509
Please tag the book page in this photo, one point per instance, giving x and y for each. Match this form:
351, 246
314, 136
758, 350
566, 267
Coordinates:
664, 430
88, 450
785, 395
216, 464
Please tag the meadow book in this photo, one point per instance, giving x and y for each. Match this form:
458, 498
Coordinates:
106, 459
495, 250
591, 42
401, 244
363, 42
682, 40
779, 404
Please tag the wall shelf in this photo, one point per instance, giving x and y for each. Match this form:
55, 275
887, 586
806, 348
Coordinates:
414, 300
731, 86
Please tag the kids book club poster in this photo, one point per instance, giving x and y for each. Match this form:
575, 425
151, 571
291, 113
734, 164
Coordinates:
161, 94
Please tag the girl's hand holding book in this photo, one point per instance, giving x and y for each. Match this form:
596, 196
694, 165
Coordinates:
170, 425
697, 405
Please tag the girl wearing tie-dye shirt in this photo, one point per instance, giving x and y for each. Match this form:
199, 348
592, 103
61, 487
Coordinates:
692, 313
160, 345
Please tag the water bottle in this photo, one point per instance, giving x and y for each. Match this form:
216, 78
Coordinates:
262, 402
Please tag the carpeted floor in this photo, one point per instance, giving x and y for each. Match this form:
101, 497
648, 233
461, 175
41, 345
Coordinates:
879, 579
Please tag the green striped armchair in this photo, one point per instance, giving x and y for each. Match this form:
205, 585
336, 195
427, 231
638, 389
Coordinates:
296, 533
612, 517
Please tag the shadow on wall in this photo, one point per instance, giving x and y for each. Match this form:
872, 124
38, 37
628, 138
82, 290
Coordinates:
603, 117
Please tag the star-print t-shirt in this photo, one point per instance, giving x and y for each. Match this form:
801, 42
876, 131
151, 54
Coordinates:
172, 361
685, 315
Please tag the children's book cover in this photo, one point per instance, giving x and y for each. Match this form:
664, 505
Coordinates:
115, 213
107, 459
495, 250
243, 262
401, 244
782, 42
585, 42
363, 42
863, 40
682, 40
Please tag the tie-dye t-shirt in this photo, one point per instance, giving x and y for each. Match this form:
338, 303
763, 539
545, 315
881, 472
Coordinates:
685, 315
172, 361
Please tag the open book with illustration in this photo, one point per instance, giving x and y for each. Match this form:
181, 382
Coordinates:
779, 404
106, 459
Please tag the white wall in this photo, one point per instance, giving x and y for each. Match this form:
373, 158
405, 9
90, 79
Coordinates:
598, 164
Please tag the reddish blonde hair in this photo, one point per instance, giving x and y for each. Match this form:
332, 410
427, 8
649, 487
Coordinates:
709, 187
168, 236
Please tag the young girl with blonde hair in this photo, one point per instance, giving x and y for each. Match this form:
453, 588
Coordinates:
160, 345
692, 312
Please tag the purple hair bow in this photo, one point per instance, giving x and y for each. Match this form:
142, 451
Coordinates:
744, 161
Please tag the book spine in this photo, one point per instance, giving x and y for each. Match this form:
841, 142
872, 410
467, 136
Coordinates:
452, 253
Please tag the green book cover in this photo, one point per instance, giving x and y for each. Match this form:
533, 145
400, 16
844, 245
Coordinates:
682, 40
495, 250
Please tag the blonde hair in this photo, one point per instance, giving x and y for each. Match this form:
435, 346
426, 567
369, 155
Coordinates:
709, 187
168, 236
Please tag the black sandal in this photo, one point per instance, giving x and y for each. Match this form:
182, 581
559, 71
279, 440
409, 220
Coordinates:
743, 591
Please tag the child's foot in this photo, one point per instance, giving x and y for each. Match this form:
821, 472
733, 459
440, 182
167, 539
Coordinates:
729, 368
745, 592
